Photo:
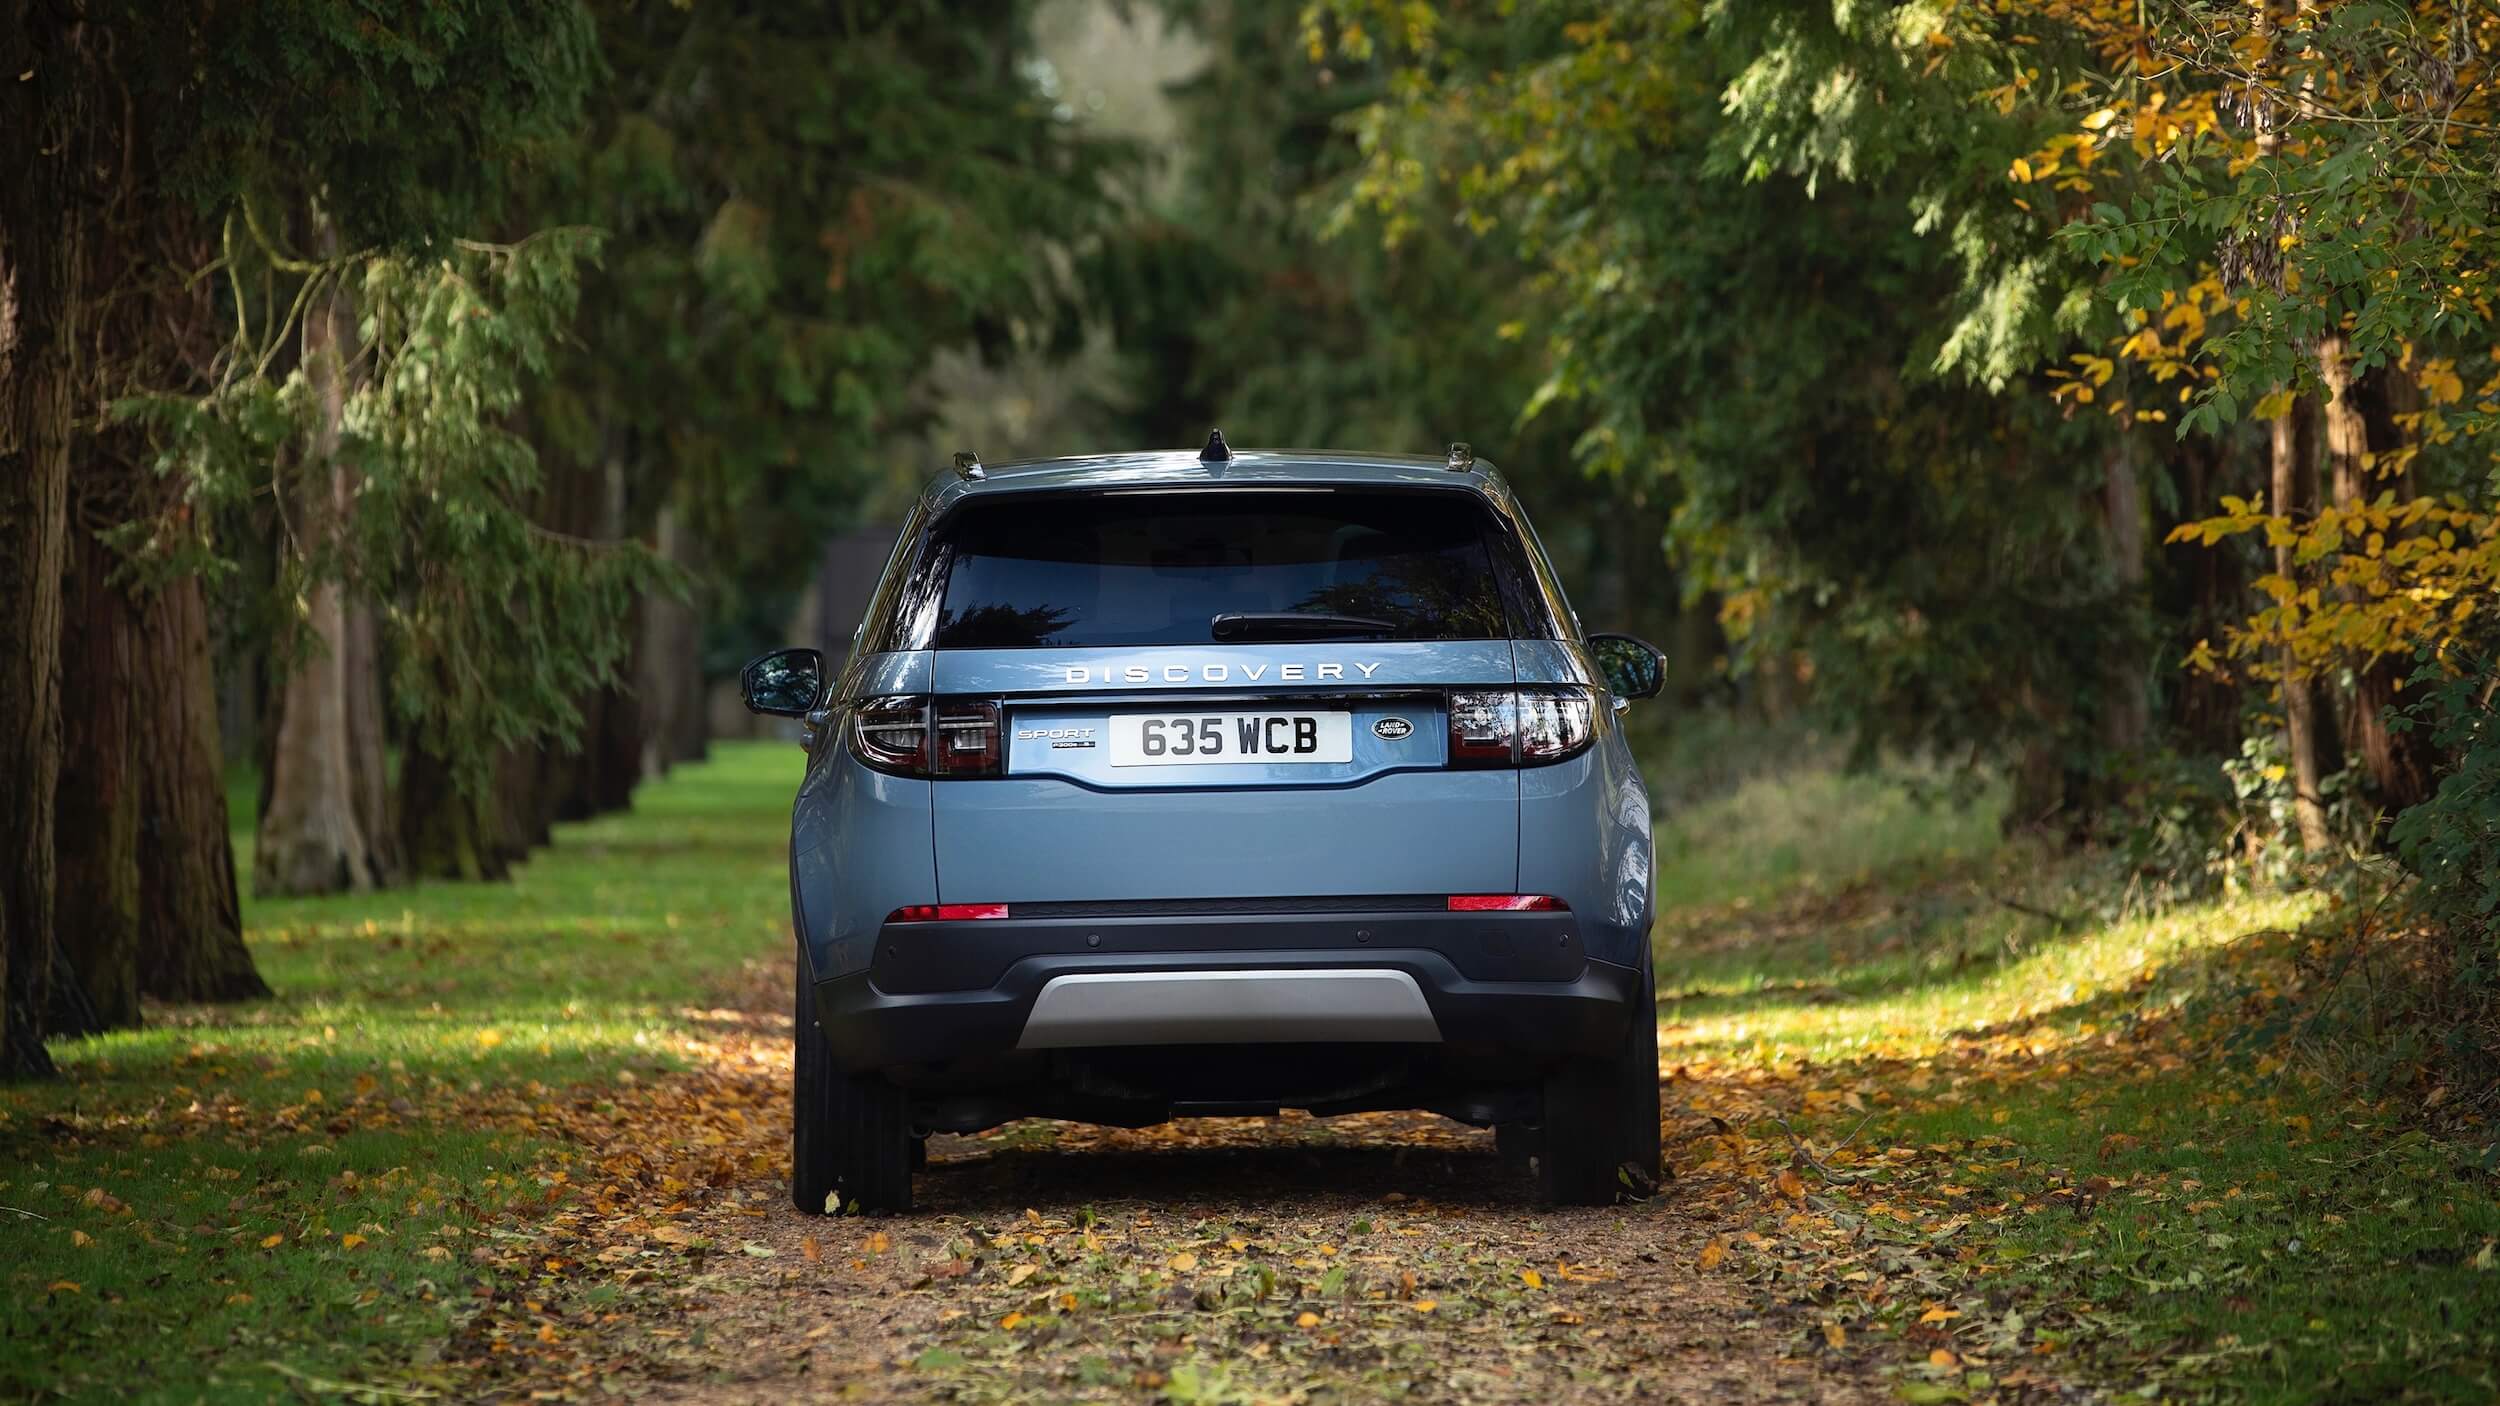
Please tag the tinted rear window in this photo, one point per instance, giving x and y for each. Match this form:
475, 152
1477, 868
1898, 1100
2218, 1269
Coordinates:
1159, 568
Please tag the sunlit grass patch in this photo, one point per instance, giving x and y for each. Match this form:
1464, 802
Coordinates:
2026, 1142
390, 1091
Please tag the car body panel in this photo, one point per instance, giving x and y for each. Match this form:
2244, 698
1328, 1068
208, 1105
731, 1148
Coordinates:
1279, 862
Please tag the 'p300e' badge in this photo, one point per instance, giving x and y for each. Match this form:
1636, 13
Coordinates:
1392, 729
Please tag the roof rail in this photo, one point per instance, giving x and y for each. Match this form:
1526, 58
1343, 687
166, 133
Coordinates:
1461, 458
968, 466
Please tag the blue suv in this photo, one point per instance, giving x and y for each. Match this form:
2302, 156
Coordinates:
1219, 783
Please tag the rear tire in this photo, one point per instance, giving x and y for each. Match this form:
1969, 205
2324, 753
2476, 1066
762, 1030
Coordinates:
1599, 1138
851, 1143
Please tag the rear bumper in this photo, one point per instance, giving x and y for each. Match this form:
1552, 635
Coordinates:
1497, 983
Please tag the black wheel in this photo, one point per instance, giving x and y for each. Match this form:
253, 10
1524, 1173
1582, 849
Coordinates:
1515, 1144
850, 1137
1599, 1139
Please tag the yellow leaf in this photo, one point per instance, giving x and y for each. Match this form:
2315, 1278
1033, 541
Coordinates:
1306, 1319
2273, 405
1011, 1320
272, 1242
2022, 170
1021, 1273
1532, 1279
1943, 1357
1791, 1185
1714, 1252
350, 1241
1938, 1313
1067, 1303
547, 1332
81, 1239
813, 1250
61, 1286
1183, 1262
1835, 1336
1425, 1305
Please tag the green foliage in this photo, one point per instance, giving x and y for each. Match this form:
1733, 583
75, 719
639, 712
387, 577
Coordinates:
408, 118
2453, 839
803, 206
1745, 321
496, 626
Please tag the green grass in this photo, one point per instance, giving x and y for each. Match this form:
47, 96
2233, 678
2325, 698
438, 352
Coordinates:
385, 1093
2165, 1204
1812, 827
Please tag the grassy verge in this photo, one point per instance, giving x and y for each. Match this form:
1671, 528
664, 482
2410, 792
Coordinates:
232, 1200
2018, 1140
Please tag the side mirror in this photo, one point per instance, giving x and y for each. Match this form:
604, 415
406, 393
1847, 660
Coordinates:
785, 683
1633, 667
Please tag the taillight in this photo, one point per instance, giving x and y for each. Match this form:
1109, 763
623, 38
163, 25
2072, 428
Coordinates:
895, 735
967, 739
1523, 727
1507, 903
946, 912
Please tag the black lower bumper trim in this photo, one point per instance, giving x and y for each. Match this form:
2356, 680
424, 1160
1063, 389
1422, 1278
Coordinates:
871, 1027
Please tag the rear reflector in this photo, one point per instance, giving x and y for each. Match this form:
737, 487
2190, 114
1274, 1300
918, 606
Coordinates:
1507, 903
946, 912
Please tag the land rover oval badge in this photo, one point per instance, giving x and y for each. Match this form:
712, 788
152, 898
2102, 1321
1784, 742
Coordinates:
1392, 729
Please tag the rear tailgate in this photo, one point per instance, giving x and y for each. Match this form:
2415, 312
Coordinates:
1367, 807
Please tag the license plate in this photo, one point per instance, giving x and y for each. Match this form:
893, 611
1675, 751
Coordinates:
1200, 739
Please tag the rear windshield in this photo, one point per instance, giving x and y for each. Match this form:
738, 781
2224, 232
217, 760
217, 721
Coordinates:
1160, 568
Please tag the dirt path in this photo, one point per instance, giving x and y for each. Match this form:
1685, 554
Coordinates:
1216, 1260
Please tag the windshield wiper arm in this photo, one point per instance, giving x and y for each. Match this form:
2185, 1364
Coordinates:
1295, 624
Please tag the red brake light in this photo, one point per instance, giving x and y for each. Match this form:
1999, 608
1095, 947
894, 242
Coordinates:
1507, 903
946, 912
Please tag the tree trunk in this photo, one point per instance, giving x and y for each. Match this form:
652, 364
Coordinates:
192, 929
448, 835
310, 839
2300, 712
96, 814
43, 230
668, 665
2400, 764
368, 753
2126, 715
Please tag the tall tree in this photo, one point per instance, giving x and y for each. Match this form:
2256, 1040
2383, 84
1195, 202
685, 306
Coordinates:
44, 205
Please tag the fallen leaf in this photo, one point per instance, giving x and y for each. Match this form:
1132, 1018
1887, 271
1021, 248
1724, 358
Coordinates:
878, 1244
349, 1242
82, 1239
61, 1286
1021, 1273
1714, 1252
271, 1242
1938, 1313
1835, 1336
1183, 1262
1943, 1357
813, 1250
1425, 1305
1011, 1320
1532, 1279
1306, 1319
1791, 1185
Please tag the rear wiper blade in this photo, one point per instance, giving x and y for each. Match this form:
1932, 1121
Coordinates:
1295, 624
